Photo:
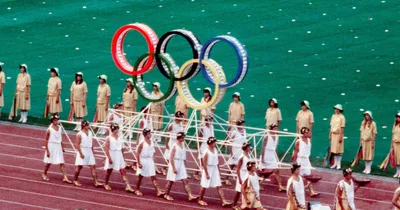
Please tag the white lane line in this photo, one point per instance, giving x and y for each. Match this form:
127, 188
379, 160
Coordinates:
25, 204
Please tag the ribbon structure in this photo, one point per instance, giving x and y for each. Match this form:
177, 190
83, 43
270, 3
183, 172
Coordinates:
178, 76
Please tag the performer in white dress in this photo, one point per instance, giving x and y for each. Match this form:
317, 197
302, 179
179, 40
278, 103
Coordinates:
84, 155
173, 129
210, 176
114, 148
206, 131
177, 169
269, 158
295, 190
251, 189
344, 198
396, 199
54, 153
238, 137
301, 155
145, 161
241, 172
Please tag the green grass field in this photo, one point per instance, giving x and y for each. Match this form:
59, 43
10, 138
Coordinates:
327, 52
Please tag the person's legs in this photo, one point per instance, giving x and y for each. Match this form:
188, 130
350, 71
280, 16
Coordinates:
44, 175
107, 178
138, 183
201, 197
94, 175
279, 180
221, 196
125, 178
63, 171
77, 171
167, 196
155, 184
188, 190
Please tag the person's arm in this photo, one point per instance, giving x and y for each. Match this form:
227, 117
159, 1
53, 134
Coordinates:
28, 88
395, 199
168, 139
1, 88
84, 95
141, 125
243, 113
71, 96
311, 121
297, 123
46, 142
339, 193
342, 129
263, 148
78, 145
205, 159
292, 197
107, 150
172, 159
58, 91
239, 165
374, 132
108, 97
139, 150
279, 119
244, 193
296, 151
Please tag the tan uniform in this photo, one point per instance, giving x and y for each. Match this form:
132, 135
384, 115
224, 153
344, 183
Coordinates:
2, 81
272, 116
344, 197
103, 95
236, 111
304, 119
337, 123
129, 97
53, 86
396, 142
180, 105
206, 112
79, 92
367, 137
157, 109
23, 80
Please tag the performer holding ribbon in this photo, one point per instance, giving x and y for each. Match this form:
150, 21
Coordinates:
367, 140
173, 129
103, 101
295, 190
238, 136
54, 149
84, 154
53, 100
236, 109
344, 197
305, 118
22, 100
77, 99
273, 114
336, 135
241, 173
129, 98
181, 106
2, 82
251, 189
206, 131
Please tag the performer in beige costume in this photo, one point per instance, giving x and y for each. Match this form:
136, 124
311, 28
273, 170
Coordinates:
79, 92
2, 82
103, 101
208, 112
236, 109
396, 144
367, 140
22, 93
273, 114
181, 106
304, 118
53, 99
336, 135
129, 98
156, 109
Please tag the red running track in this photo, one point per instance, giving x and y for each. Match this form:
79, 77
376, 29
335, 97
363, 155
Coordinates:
21, 187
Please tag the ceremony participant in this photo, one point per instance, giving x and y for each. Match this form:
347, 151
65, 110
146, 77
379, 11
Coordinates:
238, 137
396, 199
145, 122
177, 169
173, 128
22, 93
129, 98
210, 175
208, 112
236, 109
269, 158
156, 110
2, 82
273, 114
181, 106
367, 140
396, 143
77, 100
205, 132
114, 149
145, 163
295, 190
336, 135
301, 156
241, 172
304, 118
53, 100
103, 101
344, 195
54, 149
251, 189
84, 154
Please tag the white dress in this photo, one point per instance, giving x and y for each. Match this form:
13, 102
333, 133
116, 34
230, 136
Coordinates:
147, 123
54, 147
243, 172
86, 148
116, 154
120, 121
303, 157
238, 140
270, 157
146, 159
254, 182
298, 188
206, 132
213, 171
179, 160
175, 129
349, 188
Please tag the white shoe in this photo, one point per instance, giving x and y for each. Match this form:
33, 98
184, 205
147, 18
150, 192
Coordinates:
334, 166
22, 117
25, 118
365, 171
396, 175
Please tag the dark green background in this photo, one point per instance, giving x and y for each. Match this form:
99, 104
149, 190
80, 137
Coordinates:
344, 36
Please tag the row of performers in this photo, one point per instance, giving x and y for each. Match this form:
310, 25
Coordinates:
247, 182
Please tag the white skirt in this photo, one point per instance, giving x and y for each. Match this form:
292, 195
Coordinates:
166, 154
305, 164
180, 169
215, 179
56, 154
243, 176
203, 149
270, 160
148, 168
88, 160
234, 159
117, 159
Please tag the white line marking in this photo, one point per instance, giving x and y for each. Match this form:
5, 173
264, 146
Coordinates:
25, 204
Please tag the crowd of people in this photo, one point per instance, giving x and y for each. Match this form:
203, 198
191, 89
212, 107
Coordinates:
247, 184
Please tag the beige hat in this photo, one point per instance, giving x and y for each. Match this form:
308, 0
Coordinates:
157, 84
103, 76
274, 100
208, 89
55, 69
1, 63
236, 94
129, 80
398, 114
339, 107
79, 73
25, 66
369, 113
306, 103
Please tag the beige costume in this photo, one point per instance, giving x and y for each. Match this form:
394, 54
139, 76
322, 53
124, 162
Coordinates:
53, 86
103, 96
208, 112
23, 80
2, 81
79, 92
272, 116
337, 123
236, 112
396, 143
347, 196
129, 98
157, 109
368, 132
304, 119
180, 105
